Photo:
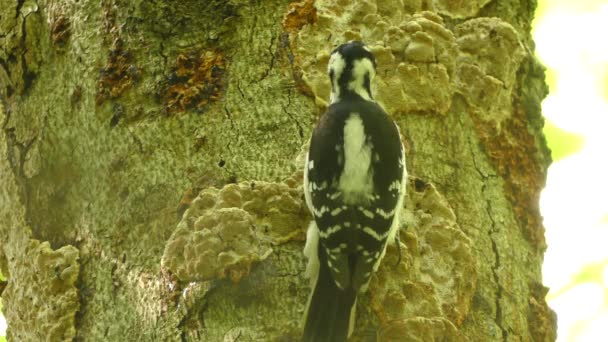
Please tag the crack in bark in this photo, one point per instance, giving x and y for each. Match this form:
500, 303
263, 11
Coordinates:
163, 55
4, 64
477, 168
18, 8
493, 229
137, 140
293, 117
229, 116
83, 292
23, 62
27, 75
238, 87
272, 58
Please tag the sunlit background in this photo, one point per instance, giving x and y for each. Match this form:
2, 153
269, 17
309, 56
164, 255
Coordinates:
572, 41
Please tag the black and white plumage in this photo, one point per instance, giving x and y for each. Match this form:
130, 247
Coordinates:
354, 184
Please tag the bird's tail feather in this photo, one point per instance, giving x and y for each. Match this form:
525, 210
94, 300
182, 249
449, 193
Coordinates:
330, 310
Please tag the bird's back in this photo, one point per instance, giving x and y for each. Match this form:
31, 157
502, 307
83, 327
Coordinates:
362, 159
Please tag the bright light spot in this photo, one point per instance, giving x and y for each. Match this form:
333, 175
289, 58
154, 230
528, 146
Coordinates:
573, 204
572, 43
580, 303
2, 326
595, 330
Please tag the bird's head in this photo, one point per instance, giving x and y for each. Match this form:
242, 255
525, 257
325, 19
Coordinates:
351, 67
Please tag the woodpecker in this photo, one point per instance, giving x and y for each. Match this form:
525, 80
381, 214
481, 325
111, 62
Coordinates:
354, 184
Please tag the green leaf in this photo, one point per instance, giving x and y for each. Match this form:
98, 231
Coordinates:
561, 142
591, 273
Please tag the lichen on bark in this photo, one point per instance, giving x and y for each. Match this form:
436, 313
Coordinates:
42, 294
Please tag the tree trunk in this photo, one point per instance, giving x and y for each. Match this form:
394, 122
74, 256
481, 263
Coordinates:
113, 110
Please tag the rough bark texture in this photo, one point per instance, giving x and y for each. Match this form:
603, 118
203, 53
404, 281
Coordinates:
113, 110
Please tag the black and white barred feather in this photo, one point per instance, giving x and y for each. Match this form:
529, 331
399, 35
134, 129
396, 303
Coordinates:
354, 185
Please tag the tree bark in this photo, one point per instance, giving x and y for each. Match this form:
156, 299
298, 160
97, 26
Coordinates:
113, 110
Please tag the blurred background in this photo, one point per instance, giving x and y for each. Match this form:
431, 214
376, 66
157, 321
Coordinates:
572, 42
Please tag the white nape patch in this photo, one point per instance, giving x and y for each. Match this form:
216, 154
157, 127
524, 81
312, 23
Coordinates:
375, 235
356, 180
329, 231
311, 164
361, 67
336, 64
